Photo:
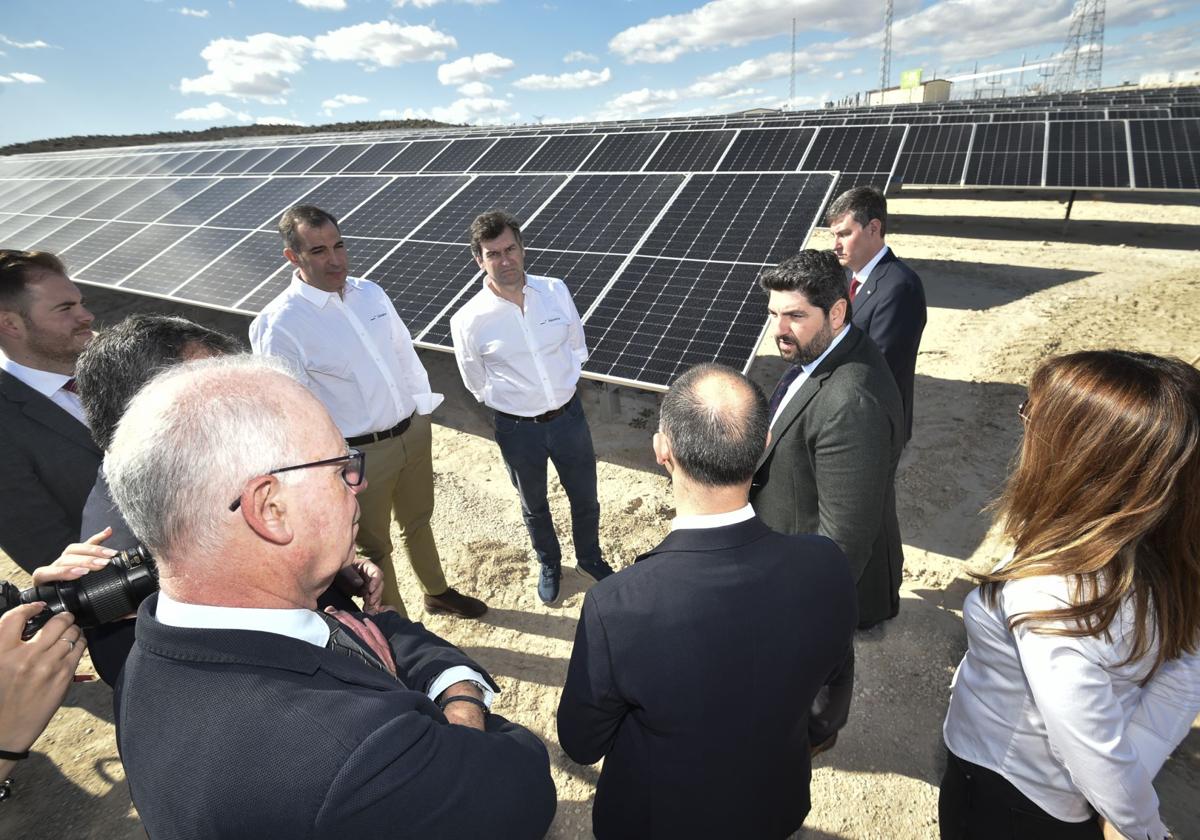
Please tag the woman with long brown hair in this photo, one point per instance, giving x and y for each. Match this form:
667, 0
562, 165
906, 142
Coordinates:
1082, 671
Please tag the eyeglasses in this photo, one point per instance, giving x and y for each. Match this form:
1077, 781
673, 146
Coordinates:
1023, 410
353, 473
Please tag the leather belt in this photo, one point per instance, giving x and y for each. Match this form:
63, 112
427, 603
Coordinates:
541, 418
373, 437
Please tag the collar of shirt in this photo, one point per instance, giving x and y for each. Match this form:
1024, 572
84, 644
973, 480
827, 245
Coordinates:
713, 520
865, 274
320, 297
806, 371
301, 624
44, 382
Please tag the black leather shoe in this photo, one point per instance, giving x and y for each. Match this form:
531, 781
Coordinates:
548, 583
598, 570
454, 602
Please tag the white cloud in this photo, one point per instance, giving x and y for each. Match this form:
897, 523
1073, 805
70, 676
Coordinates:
578, 55
475, 90
741, 93
473, 68
475, 111
324, 5
196, 13
24, 45
26, 78
277, 121
386, 44
341, 101
565, 81
425, 4
258, 68
212, 112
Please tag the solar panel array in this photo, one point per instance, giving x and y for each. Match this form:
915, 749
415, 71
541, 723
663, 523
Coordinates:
660, 228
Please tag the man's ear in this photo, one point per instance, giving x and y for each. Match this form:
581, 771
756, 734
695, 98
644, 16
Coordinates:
291, 257
837, 314
12, 325
264, 508
662, 451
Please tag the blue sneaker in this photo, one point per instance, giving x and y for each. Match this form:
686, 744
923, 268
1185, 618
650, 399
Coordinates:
548, 583
598, 570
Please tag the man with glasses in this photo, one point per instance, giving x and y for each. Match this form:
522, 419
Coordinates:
348, 345
244, 711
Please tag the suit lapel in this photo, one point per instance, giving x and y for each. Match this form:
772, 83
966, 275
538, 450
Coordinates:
43, 411
864, 301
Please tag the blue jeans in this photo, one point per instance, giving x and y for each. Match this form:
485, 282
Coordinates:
526, 447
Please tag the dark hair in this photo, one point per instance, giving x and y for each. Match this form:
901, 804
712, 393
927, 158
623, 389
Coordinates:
1107, 493
816, 274
863, 203
303, 214
121, 359
14, 275
716, 420
491, 224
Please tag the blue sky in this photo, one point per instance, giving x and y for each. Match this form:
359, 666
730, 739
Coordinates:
120, 66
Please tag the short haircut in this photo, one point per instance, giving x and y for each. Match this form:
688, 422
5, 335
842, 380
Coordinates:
15, 270
303, 214
489, 225
816, 274
190, 440
717, 429
124, 357
863, 203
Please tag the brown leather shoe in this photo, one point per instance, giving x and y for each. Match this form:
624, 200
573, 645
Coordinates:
828, 744
454, 602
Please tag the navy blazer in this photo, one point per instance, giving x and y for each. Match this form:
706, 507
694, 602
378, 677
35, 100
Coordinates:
48, 464
243, 734
890, 307
692, 676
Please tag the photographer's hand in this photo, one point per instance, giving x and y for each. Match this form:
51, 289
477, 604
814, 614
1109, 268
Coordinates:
77, 560
34, 675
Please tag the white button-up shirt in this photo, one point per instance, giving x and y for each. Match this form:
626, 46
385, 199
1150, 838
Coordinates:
520, 362
49, 385
865, 274
353, 352
1061, 718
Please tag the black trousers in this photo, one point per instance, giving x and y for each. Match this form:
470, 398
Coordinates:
979, 804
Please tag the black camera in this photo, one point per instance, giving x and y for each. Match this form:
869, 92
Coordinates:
94, 599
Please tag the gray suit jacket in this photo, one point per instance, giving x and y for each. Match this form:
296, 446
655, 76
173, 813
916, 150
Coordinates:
830, 469
48, 464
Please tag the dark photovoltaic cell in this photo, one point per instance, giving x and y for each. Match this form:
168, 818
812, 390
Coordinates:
364, 253
243, 162
11, 200
274, 160
1166, 154
586, 275
690, 151
338, 159
508, 154
67, 235
396, 210
562, 154
91, 248
126, 166
267, 291
173, 266
100, 191
340, 195
212, 201
56, 195
12, 226
304, 161
167, 199
225, 282
1007, 154
1087, 154
520, 195
414, 158
459, 155
624, 152
662, 316
134, 194
423, 277
264, 205
374, 158
154, 165
855, 148
740, 218
218, 162
601, 212
189, 167
934, 154
27, 235
772, 149
132, 254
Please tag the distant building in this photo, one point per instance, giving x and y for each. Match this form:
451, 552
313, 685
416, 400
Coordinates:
935, 90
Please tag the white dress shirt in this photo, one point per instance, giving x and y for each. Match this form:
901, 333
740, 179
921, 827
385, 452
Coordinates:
353, 352
49, 385
713, 520
806, 371
1060, 717
300, 624
520, 362
865, 274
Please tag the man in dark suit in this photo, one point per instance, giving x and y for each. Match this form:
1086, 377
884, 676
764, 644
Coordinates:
694, 669
888, 298
48, 459
244, 712
837, 431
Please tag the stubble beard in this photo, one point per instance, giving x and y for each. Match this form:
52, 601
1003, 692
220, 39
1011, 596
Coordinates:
804, 354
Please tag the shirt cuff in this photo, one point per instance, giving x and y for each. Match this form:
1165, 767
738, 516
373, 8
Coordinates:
457, 674
426, 403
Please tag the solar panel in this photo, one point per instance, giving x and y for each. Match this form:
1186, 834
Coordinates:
520, 195
274, 160
1007, 154
423, 278
398, 208
267, 291
773, 149
416, 156
690, 151
263, 206
338, 159
1087, 154
217, 162
602, 212
178, 263
65, 236
212, 201
134, 194
223, 282
373, 159
864, 154
585, 274
459, 155
166, 200
32, 232
243, 162
934, 154
508, 154
99, 191
1166, 153
562, 154
301, 163
92, 247
127, 257
12, 226
58, 194
340, 195
624, 152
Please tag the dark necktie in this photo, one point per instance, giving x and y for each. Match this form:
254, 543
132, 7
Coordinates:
69, 385
855, 283
781, 389
347, 644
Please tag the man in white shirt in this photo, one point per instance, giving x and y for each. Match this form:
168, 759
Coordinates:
347, 344
520, 348
48, 460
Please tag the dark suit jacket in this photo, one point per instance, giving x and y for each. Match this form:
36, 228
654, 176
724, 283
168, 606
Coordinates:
830, 468
890, 307
692, 675
242, 734
48, 463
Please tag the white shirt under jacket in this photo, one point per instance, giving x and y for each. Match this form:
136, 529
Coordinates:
522, 363
353, 352
1060, 718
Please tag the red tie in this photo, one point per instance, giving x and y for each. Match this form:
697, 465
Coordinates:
69, 385
855, 283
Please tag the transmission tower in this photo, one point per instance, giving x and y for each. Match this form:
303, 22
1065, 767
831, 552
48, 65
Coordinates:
885, 60
1083, 55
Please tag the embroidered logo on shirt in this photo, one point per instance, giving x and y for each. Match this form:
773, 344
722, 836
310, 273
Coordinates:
377, 316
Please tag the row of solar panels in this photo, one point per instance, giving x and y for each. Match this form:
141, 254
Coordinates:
1119, 154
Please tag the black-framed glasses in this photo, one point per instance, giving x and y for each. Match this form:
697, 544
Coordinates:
1023, 410
353, 473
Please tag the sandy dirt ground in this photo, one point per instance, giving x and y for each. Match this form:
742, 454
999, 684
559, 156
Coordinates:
1006, 285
